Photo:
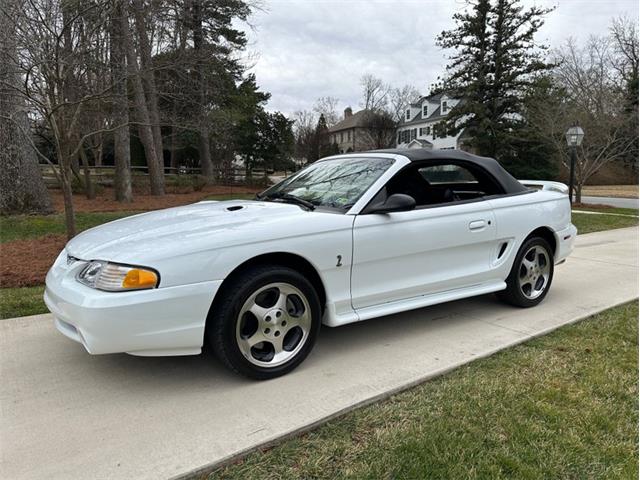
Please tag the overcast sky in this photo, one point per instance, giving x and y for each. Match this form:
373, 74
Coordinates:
304, 49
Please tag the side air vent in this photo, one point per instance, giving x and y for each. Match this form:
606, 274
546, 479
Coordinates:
503, 247
234, 208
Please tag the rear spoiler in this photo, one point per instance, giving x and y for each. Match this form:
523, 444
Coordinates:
546, 185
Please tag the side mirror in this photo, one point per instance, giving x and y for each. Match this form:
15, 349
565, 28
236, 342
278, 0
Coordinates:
398, 202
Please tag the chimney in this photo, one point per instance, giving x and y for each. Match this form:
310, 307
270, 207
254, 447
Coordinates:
347, 112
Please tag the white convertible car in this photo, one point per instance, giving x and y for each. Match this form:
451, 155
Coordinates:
349, 238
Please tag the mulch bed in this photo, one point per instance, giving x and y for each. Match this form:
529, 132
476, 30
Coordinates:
104, 201
24, 263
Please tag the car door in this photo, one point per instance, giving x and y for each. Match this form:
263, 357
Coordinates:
435, 248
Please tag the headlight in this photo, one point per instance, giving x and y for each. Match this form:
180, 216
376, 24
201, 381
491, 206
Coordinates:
115, 278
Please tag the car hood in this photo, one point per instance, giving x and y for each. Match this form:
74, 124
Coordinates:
191, 228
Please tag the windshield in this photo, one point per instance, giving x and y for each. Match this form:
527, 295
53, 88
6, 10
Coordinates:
331, 183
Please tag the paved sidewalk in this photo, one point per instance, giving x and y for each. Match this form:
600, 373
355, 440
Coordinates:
65, 414
611, 201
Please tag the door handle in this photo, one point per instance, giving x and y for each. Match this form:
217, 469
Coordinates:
477, 225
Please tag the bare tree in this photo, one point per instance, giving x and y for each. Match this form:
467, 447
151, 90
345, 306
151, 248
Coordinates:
304, 131
141, 13
624, 33
375, 93
327, 106
54, 54
22, 189
594, 100
121, 148
204, 146
399, 100
156, 170
378, 132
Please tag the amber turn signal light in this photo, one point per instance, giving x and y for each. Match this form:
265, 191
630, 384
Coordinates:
139, 278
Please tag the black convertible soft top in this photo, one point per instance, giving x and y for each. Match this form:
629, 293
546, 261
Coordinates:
510, 184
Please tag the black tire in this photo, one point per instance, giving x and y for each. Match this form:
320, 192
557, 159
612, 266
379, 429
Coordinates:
514, 294
224, 318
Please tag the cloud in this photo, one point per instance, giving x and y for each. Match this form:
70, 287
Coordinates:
308, 49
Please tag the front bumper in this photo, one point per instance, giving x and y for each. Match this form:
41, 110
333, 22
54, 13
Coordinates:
161, 321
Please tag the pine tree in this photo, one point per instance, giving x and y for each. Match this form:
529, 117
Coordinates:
322, 136
495, 62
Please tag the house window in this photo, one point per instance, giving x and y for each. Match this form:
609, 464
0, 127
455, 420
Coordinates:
420, 132
349, 135
427, 130
425, 111
408, 114
444, 107
341, 137
399, 137
413, 133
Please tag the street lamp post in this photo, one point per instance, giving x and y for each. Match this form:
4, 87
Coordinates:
574, 138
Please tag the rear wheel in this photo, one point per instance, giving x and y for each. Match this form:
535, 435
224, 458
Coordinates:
266, 322
531, 275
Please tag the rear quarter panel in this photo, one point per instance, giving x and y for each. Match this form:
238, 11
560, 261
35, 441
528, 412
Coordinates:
519, 215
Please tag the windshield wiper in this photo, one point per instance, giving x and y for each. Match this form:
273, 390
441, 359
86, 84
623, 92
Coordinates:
287, 197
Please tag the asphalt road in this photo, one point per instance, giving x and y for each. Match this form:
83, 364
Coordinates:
66, 414
612, 201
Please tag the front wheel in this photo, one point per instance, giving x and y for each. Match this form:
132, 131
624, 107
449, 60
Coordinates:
266, 322
531, 275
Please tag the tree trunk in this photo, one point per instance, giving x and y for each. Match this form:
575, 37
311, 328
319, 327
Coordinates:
67, 194
96, 150
578, 193
174, 157
149, 77
204, 147
122, 153
89, 187
156, 173
22, 188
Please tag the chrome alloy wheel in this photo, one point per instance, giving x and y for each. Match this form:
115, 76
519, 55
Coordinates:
533, 274
273, 324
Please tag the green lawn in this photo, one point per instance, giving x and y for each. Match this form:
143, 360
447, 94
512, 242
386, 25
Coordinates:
587, 223
561, 406
621, 211
32, 226
20, 302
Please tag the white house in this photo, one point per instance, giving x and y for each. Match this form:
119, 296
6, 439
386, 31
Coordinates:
420, 126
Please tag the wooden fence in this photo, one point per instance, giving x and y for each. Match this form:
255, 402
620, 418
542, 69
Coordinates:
104, 175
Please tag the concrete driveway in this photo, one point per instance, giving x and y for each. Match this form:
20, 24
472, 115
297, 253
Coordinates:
612, 201
66, 414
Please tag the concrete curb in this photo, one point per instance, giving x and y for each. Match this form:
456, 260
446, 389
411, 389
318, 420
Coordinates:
604, 213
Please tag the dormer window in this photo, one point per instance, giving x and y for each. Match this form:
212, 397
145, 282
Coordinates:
408, 114
444, 107
425, 111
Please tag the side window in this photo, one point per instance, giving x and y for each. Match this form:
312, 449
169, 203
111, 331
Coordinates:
444, 183
447, 174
